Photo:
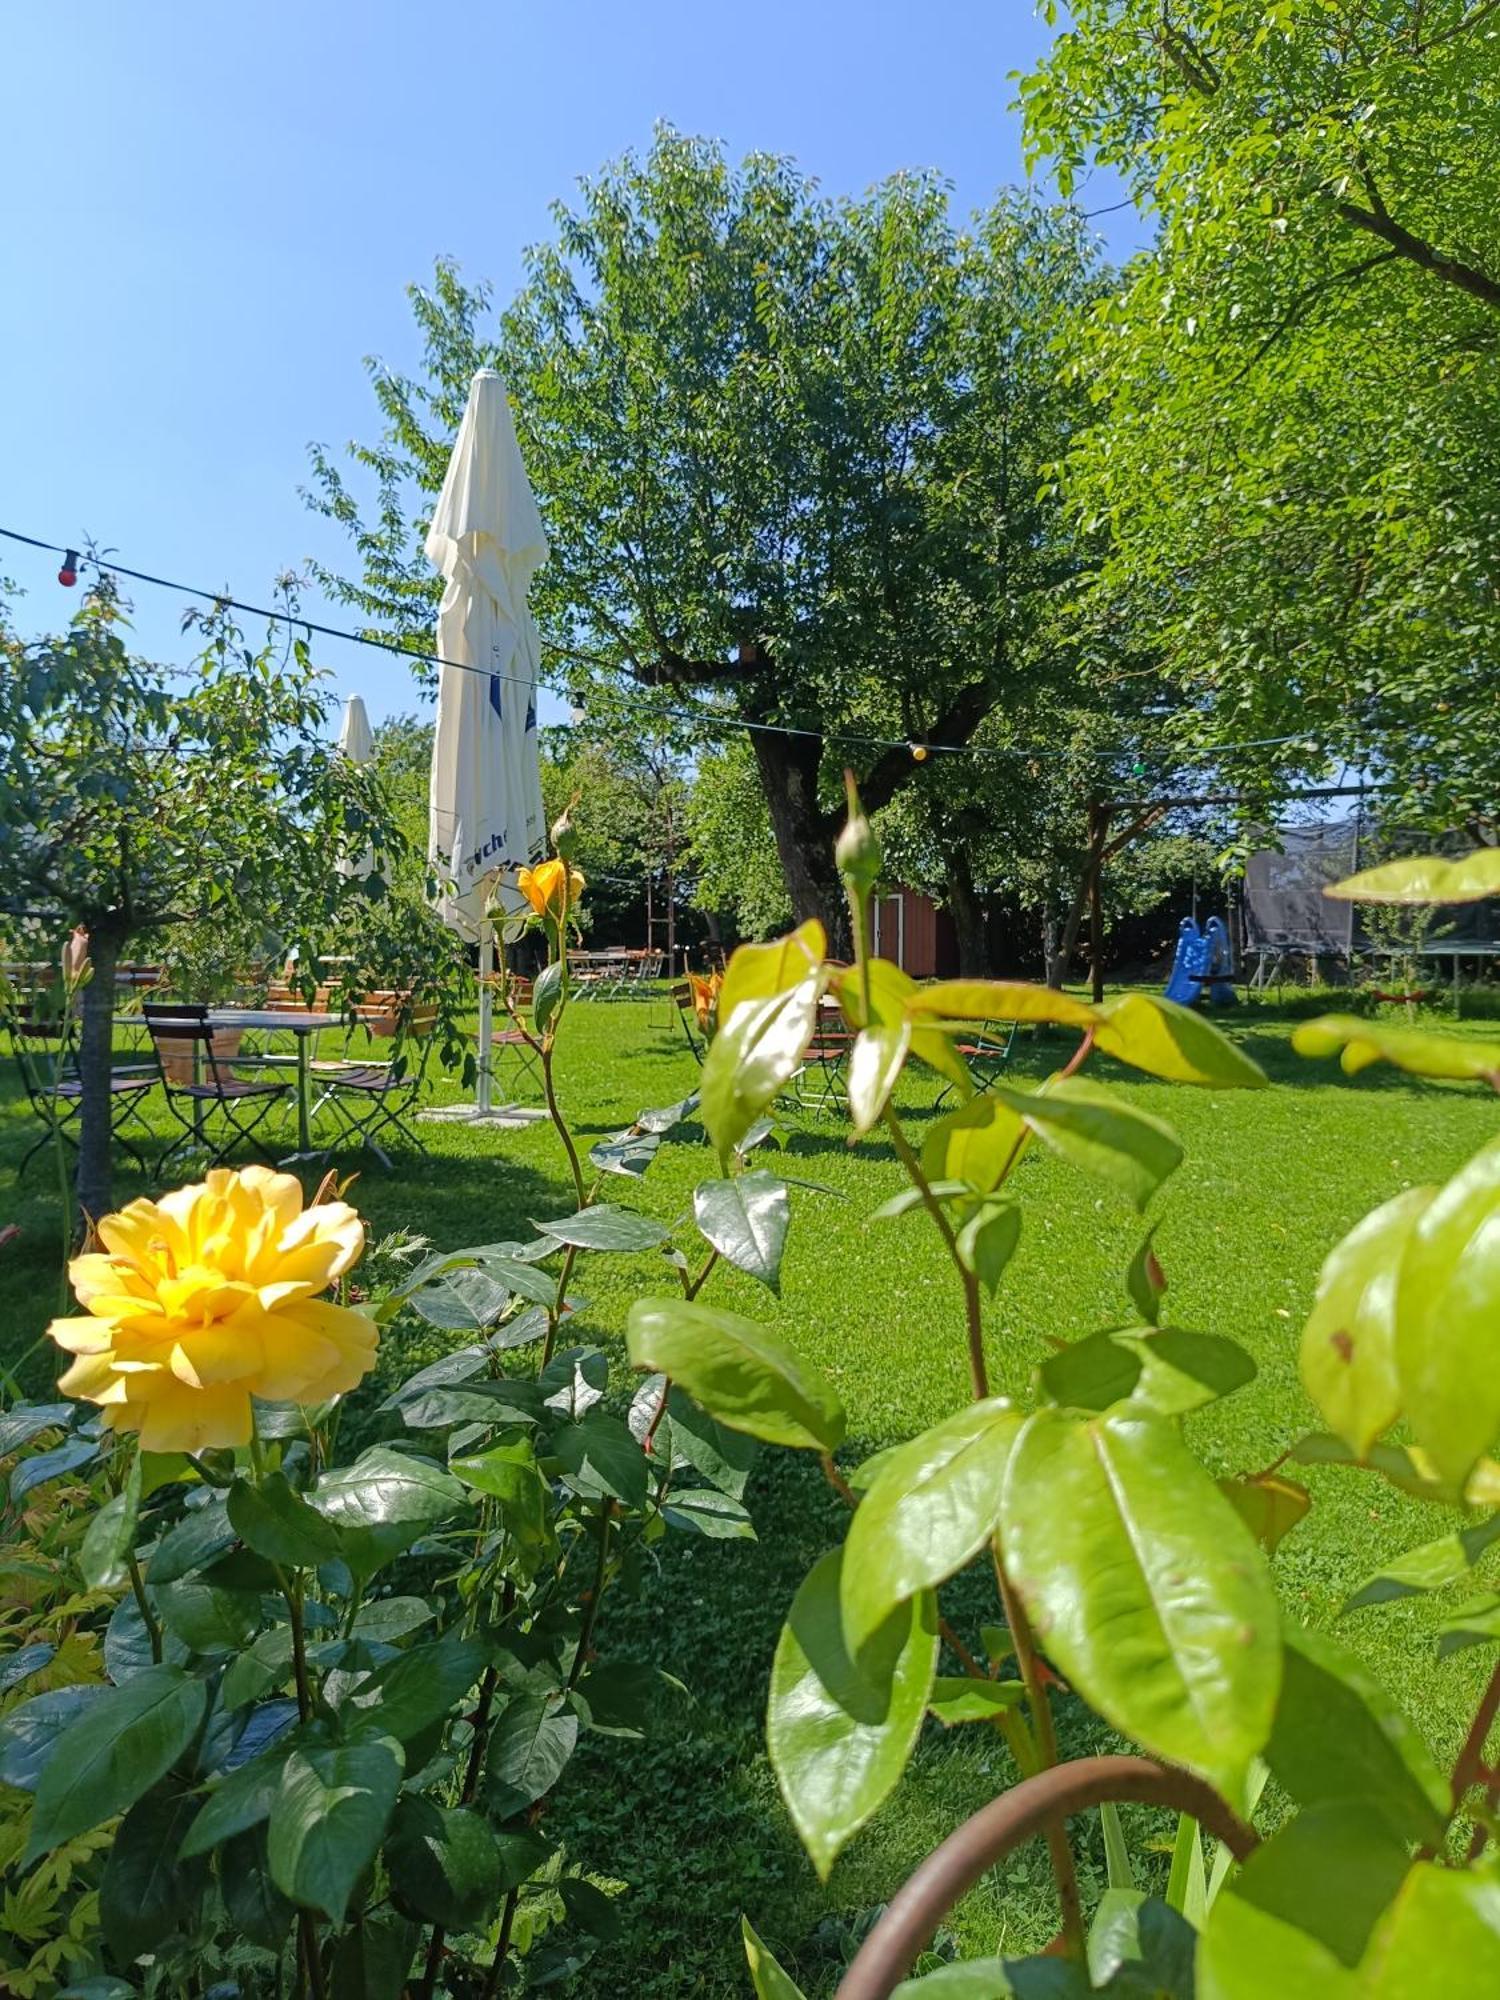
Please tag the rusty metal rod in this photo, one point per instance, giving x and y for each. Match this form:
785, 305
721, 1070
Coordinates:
917, 1908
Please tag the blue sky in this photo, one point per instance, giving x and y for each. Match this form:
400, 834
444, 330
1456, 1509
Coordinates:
215, 212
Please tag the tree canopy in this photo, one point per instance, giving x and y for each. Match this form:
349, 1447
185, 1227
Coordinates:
789, 452
1294, 474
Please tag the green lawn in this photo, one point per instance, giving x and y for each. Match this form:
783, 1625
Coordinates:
691, 1821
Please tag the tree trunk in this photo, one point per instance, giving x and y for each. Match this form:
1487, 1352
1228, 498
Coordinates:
967, 911
95, 1064
1062, 959
804, 834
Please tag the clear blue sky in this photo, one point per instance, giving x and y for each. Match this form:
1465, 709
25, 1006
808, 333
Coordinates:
214, 212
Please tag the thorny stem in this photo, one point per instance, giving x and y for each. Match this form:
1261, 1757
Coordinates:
559, 1123
837, 1481
502, 1948
1470, 1767
585, 1637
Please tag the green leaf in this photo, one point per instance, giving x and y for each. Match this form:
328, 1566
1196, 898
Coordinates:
969, 1979
510, 1474
1296, 1918
146, 1892
987, 1241
1425, 878
605, 1228
875, 1065
753, 1057
629, 1152
1418, 1051
766, 1976
1144, 1587
1165, 1040
706, 1512
110, 1537
445, 1865
1118, 1871
1145, 1281
31, 1733
974, 1145
745, 1219
1440, 1937
383, 1502
761, 971
737, 1370
465, 1301
388, 1618
1165, 1369
959, 1698
1434, 1566
279, 1525
1001, 1000
1447, 1299
421, 1686
116, 1750
1187, 1883
839, 1735
254, 1904
1339, 1739
199, 1537
1269, 1504
933, 1504
330, 1814
1140, 1945
372, 1960
1474, 1624
1098, 1132
546, 991
206, 1619
601, 1460
1348, 1356
240, 1801
723, 1456
529, 1745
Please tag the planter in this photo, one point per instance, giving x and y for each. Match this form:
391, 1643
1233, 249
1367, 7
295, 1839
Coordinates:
177, 1063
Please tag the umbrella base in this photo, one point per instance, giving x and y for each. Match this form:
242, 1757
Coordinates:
512, 1115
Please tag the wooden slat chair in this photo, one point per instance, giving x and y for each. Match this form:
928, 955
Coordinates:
240, 1105
687, 1014
45, 1052
370, 1097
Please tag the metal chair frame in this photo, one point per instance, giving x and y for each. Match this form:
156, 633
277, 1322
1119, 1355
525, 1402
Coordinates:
188, 1027
56, 1096
387, 1098
987, 1055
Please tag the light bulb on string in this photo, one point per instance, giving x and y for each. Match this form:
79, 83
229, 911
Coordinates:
67, 574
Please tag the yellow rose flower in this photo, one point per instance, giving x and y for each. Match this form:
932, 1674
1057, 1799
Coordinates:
208, 1297
705, 996
551, 887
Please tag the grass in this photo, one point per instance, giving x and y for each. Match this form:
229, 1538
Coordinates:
690, 1821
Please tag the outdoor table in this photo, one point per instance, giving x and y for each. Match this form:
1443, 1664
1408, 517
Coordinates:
303, 1026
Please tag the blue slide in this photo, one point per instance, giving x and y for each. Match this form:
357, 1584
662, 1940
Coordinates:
1202, 965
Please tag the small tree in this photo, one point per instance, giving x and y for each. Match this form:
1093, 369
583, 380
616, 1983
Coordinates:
128, 803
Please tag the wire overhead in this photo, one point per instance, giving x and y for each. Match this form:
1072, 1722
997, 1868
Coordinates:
698, 718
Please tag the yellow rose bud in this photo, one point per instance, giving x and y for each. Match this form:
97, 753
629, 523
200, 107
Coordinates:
201, 1300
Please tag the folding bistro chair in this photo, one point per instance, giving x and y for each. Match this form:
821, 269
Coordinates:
821, 1084
368, 1098
184, 1034
987, 1054
685, 1008
515, 1058
46, 1058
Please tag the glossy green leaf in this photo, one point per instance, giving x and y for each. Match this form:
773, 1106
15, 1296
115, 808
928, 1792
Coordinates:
1001, 1000
510, 1474
1447, 1301
1158, 1036
254, 1904
1434, 1566
109, 1538
766, 1976
1187, 1880
737, 1370
1145, 1281
959, 1698
372, 1960
1140, 1945
988, 1239
875, 1065
30, 1733
279, 1525
1297, 1917
1440, 1937
605, 1228
388, 1618
1425, 878
196, 1540
208, 1620
1145, 1587
421, 1685
1340, 1740
114, 1752
1269, 1504
445, 1865
967, 1979
384, 1501
724, 1457
933, 1504
239, 1801
1167, 1369
1098, 1132
703, 1511
975, 1145
601, 1460
546, 992
530, 1743
753, 1057
146, 1892
330, 1814
761, 971
1348, 1356
840, 1734
1476, 1623
1418, 1051
891, 994
745, 1218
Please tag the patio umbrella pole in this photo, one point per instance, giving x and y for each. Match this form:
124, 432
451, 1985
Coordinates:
486, 1014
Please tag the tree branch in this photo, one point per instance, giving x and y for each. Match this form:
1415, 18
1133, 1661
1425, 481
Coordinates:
1307, 298
1478, 284
957, 724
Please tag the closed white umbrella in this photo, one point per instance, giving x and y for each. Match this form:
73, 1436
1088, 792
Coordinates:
357, 743
486, 816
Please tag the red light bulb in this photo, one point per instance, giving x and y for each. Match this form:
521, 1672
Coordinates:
67, 575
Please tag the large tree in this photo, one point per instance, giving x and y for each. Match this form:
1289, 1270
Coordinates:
1297, 462
791, 456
